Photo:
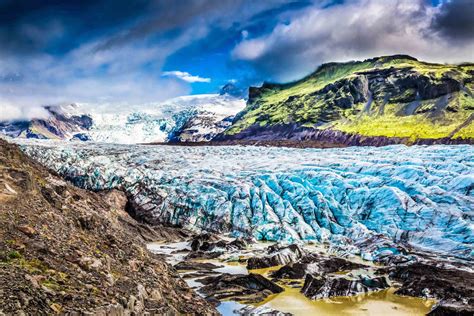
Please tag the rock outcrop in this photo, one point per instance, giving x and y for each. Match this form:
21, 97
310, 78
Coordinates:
65, 250
318, 287
276, 256
251, 288
379, 101
315, 265
448, 283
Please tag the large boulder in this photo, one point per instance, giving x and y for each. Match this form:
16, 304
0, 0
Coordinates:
209, 242
276, 256
316, 265
294, 270
318, 287
195, 265
251, 288
430, 280
204, 242
451, 308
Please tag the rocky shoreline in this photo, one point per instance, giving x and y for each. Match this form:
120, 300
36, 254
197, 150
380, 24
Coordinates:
316, 274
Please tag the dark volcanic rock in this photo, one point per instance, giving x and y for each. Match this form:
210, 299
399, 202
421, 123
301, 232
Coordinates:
209, 242
315, 264
239, 244
251, 288
317, 287
194, 265
452, 309
210, 246
294, 270
429, 280
276, 256
204, 242
333, 264
203, 255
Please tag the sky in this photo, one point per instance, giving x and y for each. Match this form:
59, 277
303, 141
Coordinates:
122, 52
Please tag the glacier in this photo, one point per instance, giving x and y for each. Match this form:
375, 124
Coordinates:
204, 114
370, 201
187, 118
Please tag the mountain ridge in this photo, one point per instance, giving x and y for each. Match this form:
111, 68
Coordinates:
392, 97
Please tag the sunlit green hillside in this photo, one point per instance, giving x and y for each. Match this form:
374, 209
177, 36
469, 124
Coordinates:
394, 96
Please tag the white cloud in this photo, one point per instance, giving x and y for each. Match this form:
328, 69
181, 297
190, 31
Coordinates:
13, 112
356, 29
185, 76
90, 75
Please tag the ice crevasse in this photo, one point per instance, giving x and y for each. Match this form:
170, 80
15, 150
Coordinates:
363, 200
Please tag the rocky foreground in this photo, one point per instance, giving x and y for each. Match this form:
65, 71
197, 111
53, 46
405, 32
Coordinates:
224, 269
65, 250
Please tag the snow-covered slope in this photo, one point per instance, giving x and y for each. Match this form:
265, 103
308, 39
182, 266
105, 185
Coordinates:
188, 118
164, 121
64, 122
373, 200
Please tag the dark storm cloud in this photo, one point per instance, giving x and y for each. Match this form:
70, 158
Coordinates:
358, 29
28, 27
455, 21
115, 50
58, 26
108, 51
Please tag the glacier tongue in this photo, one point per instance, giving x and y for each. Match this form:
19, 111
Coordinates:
367, 200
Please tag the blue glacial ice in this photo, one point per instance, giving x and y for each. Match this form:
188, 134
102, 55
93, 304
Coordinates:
418, 196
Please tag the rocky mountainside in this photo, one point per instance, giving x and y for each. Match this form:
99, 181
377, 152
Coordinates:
64, 250
384, 100
64, 122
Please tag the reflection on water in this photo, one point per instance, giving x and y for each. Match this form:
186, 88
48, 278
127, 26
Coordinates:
228, 308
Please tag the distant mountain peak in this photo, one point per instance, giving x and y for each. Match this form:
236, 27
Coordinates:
232, 89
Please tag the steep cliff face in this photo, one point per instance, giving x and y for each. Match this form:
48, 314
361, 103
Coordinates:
67, 250
395, 97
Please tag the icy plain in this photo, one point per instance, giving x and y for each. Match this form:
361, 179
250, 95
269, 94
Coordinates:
360, 200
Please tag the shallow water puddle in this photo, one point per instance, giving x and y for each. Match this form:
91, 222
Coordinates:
293, 301
375, 303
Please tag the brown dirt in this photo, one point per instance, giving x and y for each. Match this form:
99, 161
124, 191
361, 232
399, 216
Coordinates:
64, 250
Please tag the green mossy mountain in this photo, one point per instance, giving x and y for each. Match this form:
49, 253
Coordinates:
395, 97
